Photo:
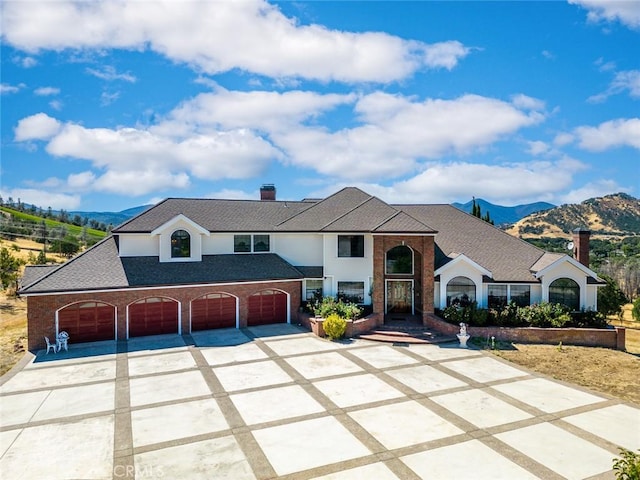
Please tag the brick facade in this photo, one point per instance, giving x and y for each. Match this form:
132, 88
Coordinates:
41, 308
424, 255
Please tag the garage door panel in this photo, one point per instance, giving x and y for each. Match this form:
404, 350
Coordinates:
88, 322
215, 311
267, 307
153, 316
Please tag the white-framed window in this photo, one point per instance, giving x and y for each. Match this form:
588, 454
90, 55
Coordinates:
520, 294
461, 291
399, 261
351, 291
246, 243
350, 246
180, 244
313, 289
565, 291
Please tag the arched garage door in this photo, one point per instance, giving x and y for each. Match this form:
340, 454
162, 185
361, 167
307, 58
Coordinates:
216, 310
88, 322
267, 306
153, 316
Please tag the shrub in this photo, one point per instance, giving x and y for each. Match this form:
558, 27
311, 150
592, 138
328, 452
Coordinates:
635, 311
589, 319
334, 326
627, 467
329, 305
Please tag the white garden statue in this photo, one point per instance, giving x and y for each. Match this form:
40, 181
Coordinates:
463, 336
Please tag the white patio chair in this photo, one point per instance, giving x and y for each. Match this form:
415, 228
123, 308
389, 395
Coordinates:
63, 338
50, 346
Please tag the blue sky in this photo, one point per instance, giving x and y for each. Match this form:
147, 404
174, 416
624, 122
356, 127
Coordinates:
111, 104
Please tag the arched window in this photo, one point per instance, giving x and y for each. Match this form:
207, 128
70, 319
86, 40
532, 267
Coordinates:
566, 292
400, 260
180, 244
461, 291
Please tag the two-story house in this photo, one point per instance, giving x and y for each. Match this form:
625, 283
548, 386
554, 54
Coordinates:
198, 264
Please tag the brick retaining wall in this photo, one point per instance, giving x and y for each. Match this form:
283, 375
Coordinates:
590, 337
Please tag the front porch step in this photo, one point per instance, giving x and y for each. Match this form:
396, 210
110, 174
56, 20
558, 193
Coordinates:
414, 335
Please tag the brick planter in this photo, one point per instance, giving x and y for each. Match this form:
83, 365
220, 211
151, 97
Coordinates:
589, 337
354, 327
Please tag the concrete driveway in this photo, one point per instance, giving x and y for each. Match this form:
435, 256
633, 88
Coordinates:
277, 402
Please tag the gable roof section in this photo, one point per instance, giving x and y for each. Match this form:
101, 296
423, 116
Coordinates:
508, 258
35, 272
462, 258
100, 268
352, 210
216, 215
566, 259
180, 218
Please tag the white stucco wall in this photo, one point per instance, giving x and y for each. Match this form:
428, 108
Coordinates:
165, 242
342, 269
299, 249
138, 245
462, 269
588, 297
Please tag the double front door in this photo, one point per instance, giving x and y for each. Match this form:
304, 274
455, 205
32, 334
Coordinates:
399, 298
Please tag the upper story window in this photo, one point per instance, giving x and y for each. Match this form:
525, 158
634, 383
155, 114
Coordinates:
351, 245
180, 244
400, 260
251, 243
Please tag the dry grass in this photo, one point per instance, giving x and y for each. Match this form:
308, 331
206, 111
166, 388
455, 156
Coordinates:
603, 370
13, 334
20, 248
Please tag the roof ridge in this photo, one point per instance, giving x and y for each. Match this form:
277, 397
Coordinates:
410, 216
371, 197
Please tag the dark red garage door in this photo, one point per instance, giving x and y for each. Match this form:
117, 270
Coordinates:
216, 310
267, 306
88, 322
153, 316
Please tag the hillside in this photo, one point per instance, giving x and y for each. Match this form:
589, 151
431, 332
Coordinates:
616, 215
504, 215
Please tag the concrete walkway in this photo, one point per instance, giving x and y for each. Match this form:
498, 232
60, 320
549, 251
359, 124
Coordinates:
277, 402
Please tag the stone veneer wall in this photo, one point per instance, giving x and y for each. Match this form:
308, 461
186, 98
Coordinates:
590, 337
41, 308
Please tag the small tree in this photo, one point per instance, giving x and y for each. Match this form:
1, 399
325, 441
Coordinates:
635, 311
610, 297
9, 266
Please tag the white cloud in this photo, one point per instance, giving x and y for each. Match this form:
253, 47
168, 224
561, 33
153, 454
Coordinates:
107, 98
548, 55
25, 62
80, 181
46, 91
43, 198
527, 103
398, 132
626, 12
592, 190
229, 194
538, 148
562, 139
6, 89
139, 182
625, 80
612, 134
37, 127
505, 184
56, 104
259, 110
110, 74
264, 40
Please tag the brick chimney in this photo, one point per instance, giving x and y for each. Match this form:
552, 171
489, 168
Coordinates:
581, 246
268, 192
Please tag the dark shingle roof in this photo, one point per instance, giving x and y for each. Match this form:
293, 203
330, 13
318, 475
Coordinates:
100, 268
216, 215
506, 257
35, 272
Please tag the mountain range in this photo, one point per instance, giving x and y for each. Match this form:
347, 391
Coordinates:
504, 215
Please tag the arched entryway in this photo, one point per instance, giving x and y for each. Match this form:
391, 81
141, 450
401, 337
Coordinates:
215, 310
153, 316
88, 321
266, 307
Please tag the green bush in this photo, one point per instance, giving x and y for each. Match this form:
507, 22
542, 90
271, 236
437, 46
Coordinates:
334, 326
635, 311
329, 305
627, 467
545, 315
